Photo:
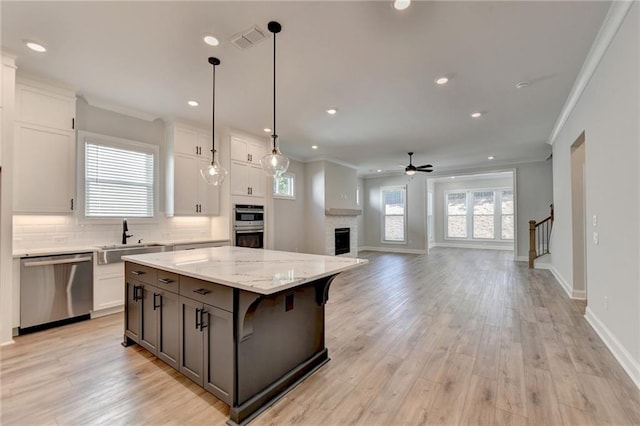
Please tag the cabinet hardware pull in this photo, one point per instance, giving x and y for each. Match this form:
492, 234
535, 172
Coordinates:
165, 280
73, 123
197, 318
154, 301
136, 297
138, 272
248, 157
72, 204
202, 291
202, 324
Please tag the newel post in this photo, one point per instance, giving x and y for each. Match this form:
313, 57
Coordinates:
532, 242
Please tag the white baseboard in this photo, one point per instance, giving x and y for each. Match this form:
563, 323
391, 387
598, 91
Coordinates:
630, 365
107, 311
392, 250
473, 246
10, 342
563, 283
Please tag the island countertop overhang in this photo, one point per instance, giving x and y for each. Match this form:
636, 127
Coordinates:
255, 270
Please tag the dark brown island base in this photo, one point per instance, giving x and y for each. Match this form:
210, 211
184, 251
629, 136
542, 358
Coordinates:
245, 324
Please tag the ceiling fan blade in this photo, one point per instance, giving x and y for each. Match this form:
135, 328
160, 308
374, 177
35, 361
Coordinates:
425, 166
424, 170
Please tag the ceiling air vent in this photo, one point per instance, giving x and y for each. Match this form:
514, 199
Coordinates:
248, 38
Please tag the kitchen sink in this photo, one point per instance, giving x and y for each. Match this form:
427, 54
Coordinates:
114, 253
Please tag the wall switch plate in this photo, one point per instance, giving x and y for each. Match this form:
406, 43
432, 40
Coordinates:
595, 220
596, 239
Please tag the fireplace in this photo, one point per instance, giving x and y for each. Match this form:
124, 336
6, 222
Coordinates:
343, 240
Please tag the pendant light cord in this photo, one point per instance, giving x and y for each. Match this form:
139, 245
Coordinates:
213, 119
275, 134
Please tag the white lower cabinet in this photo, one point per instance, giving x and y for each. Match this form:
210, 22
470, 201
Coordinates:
107, 286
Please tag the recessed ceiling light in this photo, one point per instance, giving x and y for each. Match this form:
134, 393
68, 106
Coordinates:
442, 80
266, 129
491, 157
453, 177
314, 146
211, 40
401, 4
476, 114
332, 111
36, 47
193, 103
522, 85
379, 170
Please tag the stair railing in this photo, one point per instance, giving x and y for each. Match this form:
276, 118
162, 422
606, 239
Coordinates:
539, 237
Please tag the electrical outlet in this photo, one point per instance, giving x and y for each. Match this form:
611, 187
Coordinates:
596, 238
595, 220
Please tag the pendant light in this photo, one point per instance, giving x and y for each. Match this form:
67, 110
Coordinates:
274, 164
214, 173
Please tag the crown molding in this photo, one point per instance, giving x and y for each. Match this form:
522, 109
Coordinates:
612, 22
106, 105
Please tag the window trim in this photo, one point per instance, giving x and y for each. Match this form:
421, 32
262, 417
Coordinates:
497, 215
293, 187
82, 138
383, 215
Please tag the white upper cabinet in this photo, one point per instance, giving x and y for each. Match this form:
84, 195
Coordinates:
188, 151
247, 178
44, 150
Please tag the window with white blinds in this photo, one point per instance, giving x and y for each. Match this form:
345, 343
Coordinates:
119, 181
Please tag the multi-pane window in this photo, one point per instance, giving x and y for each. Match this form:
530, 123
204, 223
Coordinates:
457, 215
394, 214
477, 214
506, 219
284, 186
483, 203
118, 180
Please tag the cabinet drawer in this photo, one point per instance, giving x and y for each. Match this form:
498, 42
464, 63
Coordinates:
140, 273
168, 281
203, 291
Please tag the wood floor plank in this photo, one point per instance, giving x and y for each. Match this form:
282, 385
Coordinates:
413, 340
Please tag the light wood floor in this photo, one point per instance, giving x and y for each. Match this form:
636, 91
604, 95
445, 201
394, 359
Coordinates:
456, 337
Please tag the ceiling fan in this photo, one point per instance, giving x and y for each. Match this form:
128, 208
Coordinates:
410, 170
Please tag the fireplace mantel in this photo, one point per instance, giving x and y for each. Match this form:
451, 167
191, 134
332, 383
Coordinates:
342, 212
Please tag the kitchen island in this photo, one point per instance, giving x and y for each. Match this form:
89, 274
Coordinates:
245, 324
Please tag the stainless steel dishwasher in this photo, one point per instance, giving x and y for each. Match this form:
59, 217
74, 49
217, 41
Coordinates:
55, 290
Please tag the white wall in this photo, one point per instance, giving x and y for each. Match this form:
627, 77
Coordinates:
289, 215
441, 187
608, 112
7, 99
314, 207
416, 213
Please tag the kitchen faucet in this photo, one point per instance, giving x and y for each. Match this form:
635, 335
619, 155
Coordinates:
125, 228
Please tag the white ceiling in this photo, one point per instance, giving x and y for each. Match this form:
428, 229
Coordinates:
375, 64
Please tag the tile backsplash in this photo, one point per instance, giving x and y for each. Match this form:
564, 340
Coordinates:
32, 232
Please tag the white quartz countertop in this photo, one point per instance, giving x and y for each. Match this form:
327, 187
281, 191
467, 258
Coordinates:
50, 251
257, 270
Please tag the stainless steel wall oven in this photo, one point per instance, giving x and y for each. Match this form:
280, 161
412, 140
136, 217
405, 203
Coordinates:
248, 226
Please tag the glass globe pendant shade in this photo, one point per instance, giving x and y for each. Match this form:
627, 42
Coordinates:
214, 173
274, 164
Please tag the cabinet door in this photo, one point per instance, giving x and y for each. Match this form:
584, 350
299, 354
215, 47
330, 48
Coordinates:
150, 303
186, 184
239, 178
257, 180
208, 195
191, 340
132, 310
169, 328
186, 141
37, 106
239, 150
204, 144
44, 170
218, 353
256, 152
